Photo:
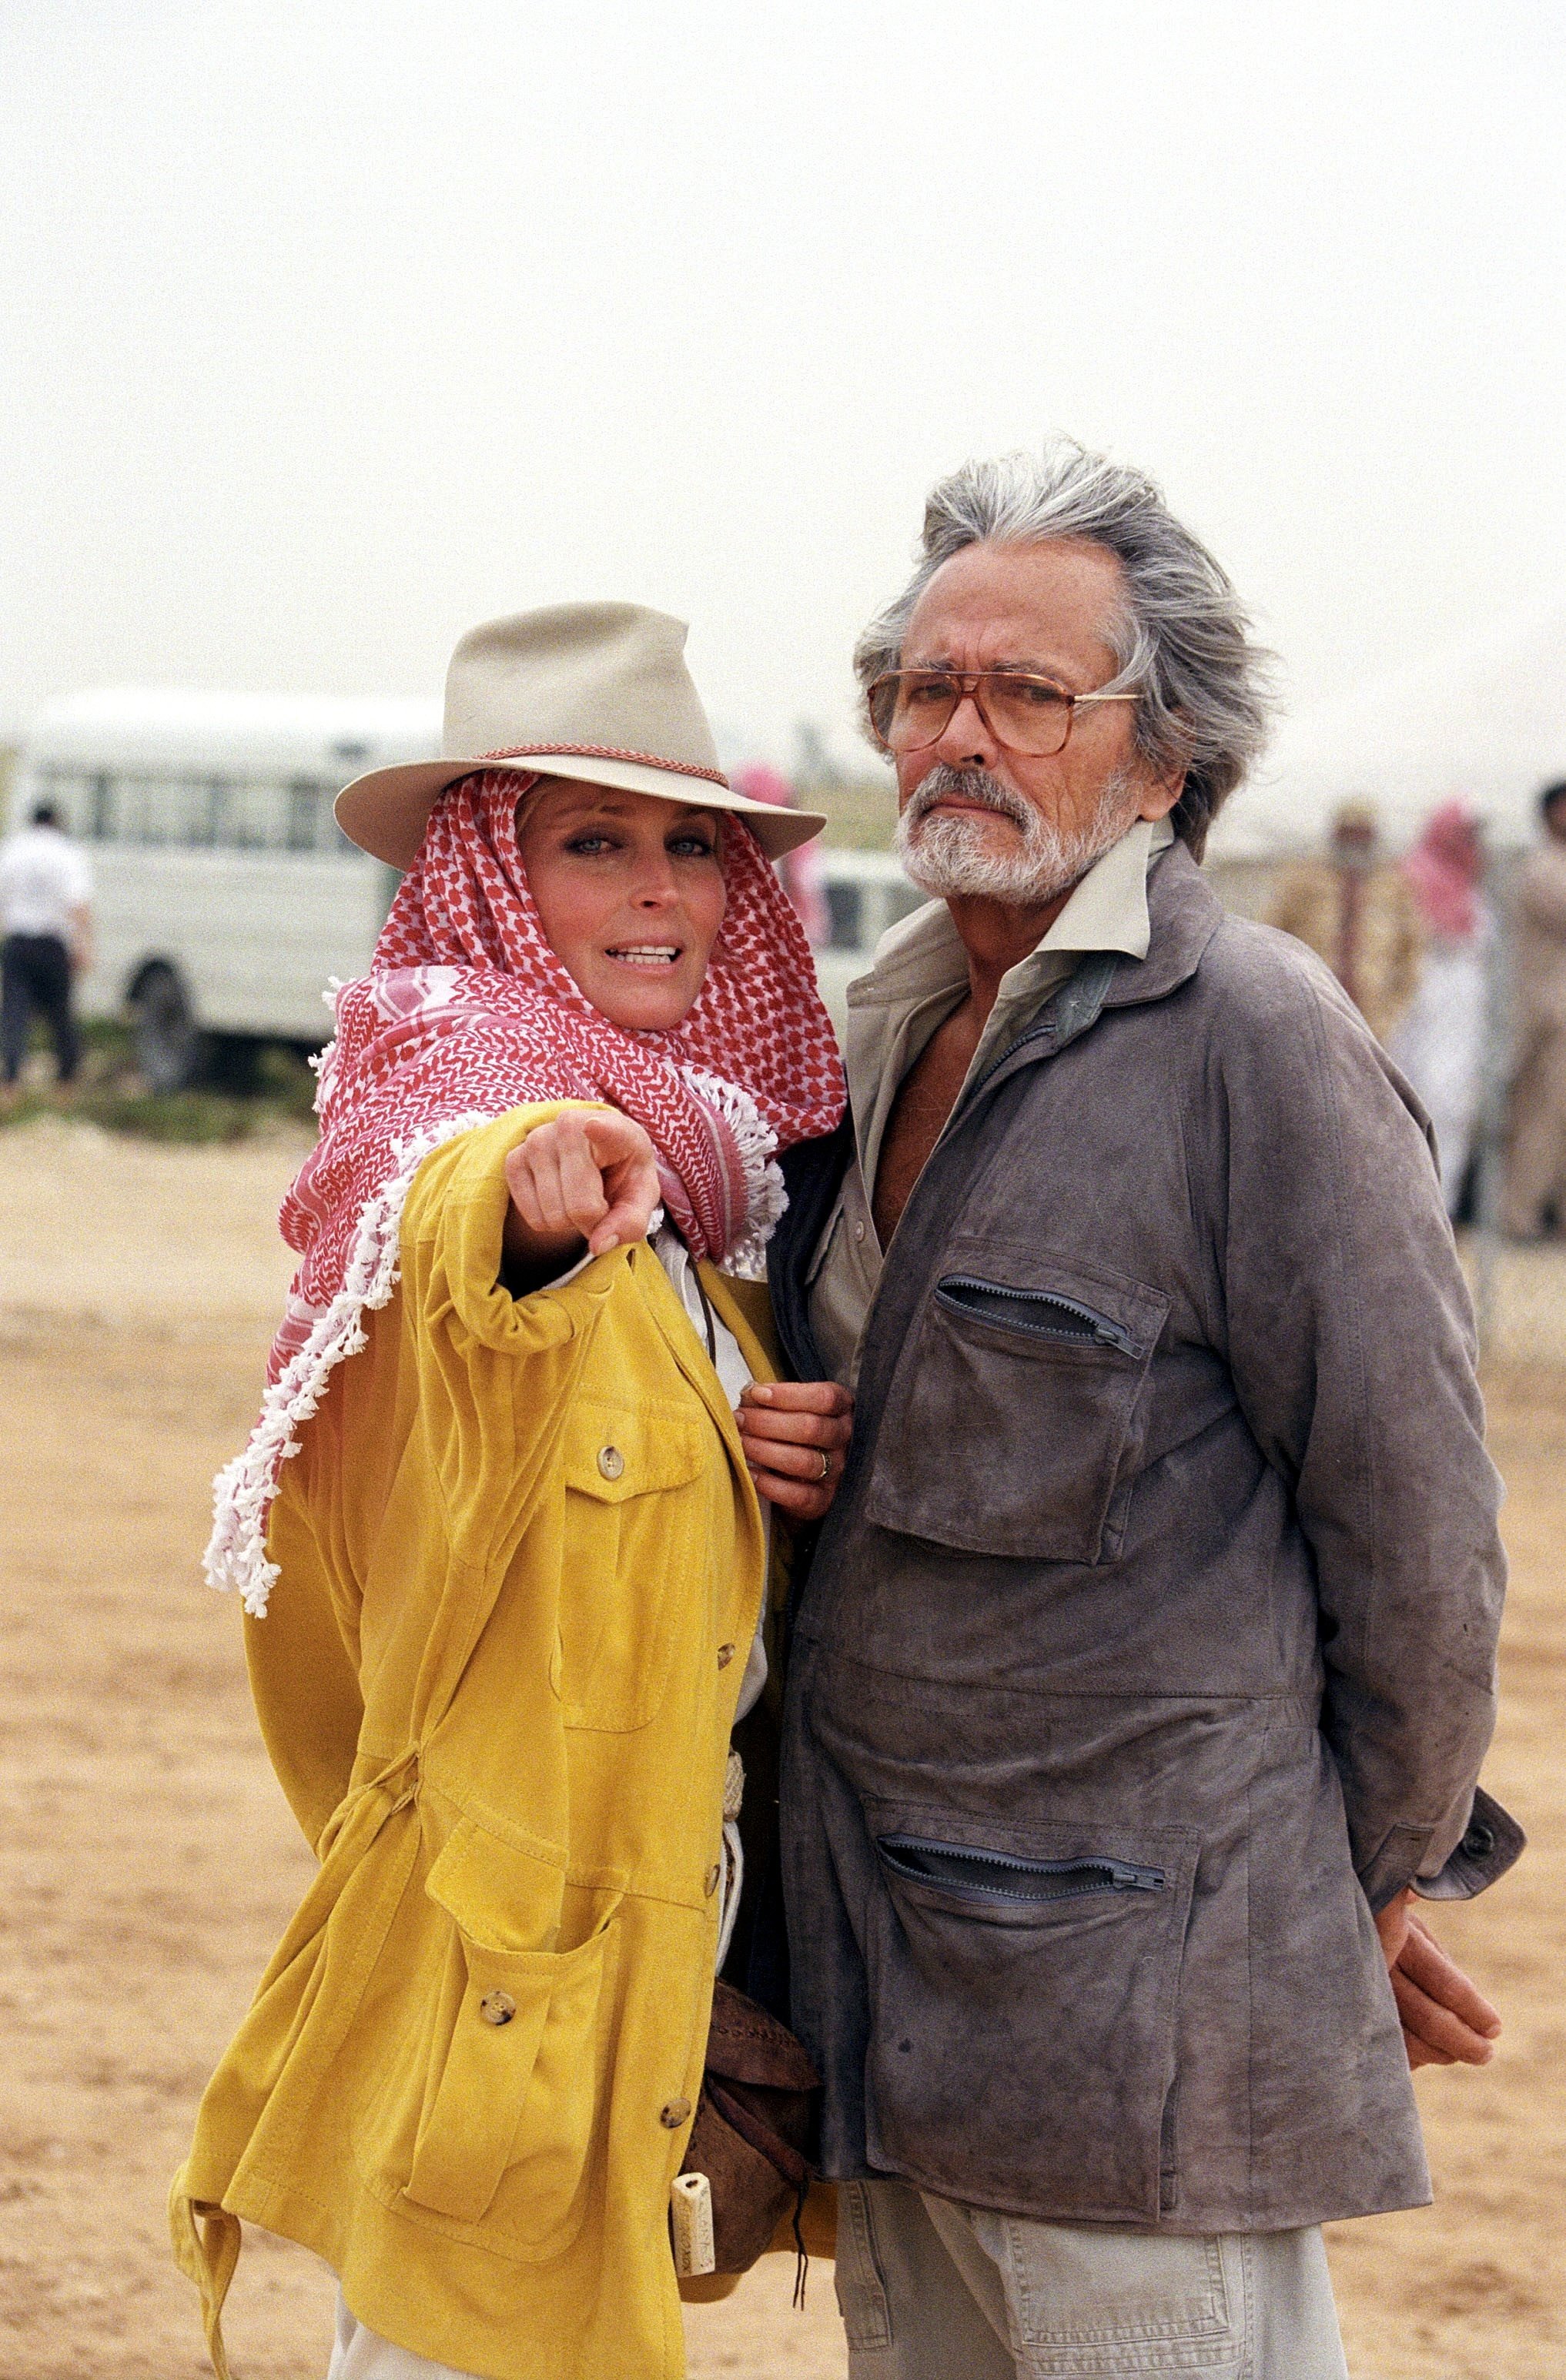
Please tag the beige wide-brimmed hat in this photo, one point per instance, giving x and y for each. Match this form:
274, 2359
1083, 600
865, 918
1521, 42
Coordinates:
595, 691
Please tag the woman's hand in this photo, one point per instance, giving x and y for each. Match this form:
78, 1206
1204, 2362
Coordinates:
795, 1434
589, 1180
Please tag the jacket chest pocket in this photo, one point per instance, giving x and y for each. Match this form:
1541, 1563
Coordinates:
1017, 1406
633, 1478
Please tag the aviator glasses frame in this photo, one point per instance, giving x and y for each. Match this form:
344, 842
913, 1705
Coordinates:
973, 684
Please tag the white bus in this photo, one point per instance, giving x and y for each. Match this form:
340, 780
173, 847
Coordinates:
225, 894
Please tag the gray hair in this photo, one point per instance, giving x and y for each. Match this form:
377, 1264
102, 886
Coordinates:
1182, 642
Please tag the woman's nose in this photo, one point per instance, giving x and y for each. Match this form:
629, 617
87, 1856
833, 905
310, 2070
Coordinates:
656, 888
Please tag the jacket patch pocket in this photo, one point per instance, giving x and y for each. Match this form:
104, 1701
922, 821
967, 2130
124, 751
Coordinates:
517, 2096
1025, 1989
1017, 1406
632, 1475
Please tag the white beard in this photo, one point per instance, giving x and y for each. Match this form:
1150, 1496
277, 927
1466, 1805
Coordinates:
953, 858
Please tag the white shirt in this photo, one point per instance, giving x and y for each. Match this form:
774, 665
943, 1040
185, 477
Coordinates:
43, 878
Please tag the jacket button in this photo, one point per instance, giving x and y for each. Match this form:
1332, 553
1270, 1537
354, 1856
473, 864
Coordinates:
725, 1655
710, 1884
1479, 1842
673, 2113
497, 2008
859, 1230
611, 1462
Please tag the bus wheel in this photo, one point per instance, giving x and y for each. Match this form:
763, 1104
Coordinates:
168, 1047
233, 1063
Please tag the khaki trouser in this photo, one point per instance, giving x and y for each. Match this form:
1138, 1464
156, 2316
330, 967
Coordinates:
1535, 1165
931, 2290
361, 2354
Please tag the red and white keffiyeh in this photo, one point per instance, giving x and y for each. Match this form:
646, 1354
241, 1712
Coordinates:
467, 1012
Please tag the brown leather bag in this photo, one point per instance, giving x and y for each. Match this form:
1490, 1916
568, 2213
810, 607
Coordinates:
755, 2123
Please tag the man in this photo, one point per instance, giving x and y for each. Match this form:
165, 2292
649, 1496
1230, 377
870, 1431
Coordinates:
1146, 1661
46, 924
1357, 911
1536, 1174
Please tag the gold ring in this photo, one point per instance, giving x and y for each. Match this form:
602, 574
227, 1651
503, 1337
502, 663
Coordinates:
826, 1465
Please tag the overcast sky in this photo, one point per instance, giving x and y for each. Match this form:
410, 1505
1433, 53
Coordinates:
329, 329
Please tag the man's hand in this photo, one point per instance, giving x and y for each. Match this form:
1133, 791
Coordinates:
1445, 2020
589, 1177
794, 1434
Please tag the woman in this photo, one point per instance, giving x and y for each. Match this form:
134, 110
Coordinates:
504, 1568
1438, 1042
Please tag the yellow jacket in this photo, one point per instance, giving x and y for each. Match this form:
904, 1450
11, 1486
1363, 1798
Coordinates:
522, 1561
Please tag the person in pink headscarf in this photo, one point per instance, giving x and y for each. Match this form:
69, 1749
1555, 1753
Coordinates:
1440, 1039
801, 870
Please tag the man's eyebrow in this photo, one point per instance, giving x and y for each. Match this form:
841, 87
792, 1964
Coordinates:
1055, 672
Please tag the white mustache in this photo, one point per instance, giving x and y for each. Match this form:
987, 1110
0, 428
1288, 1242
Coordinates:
975, 785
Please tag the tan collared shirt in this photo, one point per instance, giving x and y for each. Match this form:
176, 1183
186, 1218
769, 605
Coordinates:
920, 975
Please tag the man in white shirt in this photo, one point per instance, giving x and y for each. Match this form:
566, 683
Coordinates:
46, 923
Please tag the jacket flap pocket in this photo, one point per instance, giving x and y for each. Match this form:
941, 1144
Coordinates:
1019, 1406
517, 2083
501, 1898
1024, 1985
615, 1452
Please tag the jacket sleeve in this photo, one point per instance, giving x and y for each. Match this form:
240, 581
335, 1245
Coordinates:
1350, 1343
480, 1379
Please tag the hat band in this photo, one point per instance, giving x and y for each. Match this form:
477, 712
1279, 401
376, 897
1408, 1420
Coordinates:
602, 752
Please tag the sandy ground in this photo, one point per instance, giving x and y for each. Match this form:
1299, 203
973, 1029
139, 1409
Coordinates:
150, 1863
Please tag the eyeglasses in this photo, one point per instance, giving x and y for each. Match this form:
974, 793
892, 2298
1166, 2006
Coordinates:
911, 708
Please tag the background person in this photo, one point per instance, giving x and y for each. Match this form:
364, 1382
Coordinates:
1145, 1660
1357, 911
46, 924
1439, 1040
800, 870
1535, 1197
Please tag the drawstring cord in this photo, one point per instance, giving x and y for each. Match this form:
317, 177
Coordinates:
731, 1877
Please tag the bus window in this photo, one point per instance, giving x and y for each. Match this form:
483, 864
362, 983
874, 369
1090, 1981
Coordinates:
152, 810
304, 813
256, 816
845, 911
213, 827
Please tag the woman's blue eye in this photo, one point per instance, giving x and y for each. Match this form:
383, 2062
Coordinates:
691, 846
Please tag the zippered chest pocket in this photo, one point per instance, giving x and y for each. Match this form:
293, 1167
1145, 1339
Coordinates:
1018, 1406
1046, 1314
1003, 1876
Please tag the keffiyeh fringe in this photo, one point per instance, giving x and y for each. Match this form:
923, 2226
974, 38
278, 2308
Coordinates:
765, 1197
245, 1489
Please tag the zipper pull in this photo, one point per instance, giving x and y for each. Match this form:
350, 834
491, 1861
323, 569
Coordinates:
1136, 1879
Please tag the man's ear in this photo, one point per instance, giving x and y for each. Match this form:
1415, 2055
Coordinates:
1160, 794
1162, 789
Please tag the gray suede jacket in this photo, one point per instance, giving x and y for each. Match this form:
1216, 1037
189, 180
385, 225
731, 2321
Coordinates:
1149, 1645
